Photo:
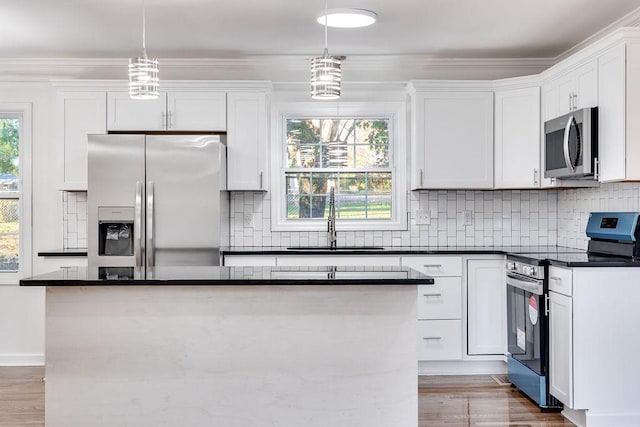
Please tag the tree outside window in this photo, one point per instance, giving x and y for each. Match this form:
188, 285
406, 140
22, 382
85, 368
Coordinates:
350, 155
9, 193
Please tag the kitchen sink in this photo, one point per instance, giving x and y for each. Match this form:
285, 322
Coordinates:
339, 248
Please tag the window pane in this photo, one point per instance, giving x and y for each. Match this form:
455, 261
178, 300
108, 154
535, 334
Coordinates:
9, 234
9, 182
9, 152
327, 146
337, 143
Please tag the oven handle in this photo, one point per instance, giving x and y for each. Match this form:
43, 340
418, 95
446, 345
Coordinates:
535, 287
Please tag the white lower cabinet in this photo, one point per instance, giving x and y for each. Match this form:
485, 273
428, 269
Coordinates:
337, 260
439, 339
250, 260
440, 300
486, 307
561, 347
439, 307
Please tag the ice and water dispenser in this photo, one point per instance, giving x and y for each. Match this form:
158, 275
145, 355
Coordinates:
115, 231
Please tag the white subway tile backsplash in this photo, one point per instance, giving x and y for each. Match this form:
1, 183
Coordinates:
508, 217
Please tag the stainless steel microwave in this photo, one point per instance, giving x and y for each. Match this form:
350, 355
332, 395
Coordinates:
571, 145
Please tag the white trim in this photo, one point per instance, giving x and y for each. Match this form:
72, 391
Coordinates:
23, 109
26, 359
395, 111
465, 367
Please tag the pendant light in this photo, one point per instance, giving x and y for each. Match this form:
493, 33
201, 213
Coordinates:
326, 73
143, 71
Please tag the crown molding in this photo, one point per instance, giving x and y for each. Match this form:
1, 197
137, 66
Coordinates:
275, 68
632, 19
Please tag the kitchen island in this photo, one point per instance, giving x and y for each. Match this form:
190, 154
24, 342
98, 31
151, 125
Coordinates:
244, 346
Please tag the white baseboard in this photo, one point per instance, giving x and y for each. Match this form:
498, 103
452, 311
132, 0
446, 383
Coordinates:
13, 359
463, 367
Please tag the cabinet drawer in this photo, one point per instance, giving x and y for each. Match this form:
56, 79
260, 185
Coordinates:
442, 300
435, 265
561, 280
439, 339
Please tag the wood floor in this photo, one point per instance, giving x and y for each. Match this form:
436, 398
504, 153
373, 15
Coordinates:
444, 401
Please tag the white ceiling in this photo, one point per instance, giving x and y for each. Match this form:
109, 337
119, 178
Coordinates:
275, 39
238, 28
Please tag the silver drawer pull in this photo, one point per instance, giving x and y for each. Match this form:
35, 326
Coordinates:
432, 265
432, 295
431, 338
559, 279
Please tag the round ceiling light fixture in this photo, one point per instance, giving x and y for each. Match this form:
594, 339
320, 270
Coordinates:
347, 18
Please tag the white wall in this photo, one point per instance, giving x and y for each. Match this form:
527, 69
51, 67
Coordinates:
22, 309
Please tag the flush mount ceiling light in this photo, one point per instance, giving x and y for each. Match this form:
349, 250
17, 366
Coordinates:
347, 18
326, 73
143, 71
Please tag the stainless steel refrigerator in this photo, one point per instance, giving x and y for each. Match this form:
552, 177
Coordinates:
156, 200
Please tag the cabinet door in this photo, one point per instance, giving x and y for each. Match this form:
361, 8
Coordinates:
247, 141
486, 307
586, 82
561, 348
79, 114
550, 101
249, 260
124, 113
517, 138
456, 129
566, 91
194, 111
337, 260
611, 115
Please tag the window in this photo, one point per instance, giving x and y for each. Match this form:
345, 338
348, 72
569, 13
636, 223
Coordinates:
354, 153
15, 190
9, 192
349, 155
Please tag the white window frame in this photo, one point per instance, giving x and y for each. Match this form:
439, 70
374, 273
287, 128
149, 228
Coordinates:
24, 110
395, 112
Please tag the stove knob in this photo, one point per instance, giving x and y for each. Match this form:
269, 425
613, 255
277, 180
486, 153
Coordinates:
511, 266
529, 271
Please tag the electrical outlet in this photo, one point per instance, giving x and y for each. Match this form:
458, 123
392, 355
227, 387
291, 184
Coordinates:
248, 220
467, 218
422, 217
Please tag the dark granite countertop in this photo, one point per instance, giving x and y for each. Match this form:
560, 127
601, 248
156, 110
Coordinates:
232, 276
64, 252
392, 250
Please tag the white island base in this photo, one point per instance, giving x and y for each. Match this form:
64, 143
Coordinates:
231, 356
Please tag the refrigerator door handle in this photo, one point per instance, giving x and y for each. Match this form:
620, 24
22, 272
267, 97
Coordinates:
150, 247
137, 232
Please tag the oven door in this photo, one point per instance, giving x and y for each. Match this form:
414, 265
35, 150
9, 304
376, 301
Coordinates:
525, 320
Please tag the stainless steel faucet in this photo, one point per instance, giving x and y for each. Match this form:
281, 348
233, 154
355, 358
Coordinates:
331, 220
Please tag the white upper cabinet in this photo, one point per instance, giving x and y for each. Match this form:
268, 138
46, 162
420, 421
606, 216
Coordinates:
517, 138
174, 110
618, 112
576, 89
247, 135
78, 113
196, 111
452, 138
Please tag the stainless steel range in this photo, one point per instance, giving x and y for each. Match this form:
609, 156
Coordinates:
528, 328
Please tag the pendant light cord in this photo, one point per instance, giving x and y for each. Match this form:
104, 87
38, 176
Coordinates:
326, 27
144, 28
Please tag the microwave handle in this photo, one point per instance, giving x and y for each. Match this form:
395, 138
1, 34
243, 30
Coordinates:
565, 144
